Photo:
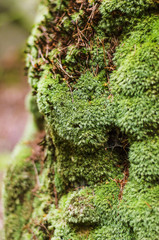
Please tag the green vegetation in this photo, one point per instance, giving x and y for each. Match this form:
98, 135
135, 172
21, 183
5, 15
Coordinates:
19, 181
4, 157
93, 68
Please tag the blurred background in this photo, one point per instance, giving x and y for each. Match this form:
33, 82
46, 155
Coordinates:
16, 20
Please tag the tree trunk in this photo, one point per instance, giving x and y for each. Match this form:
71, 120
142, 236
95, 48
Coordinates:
88, 165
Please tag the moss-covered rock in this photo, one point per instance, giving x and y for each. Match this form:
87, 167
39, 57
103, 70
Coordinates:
93, 171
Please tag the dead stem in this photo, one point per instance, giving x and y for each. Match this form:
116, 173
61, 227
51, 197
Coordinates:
36, 175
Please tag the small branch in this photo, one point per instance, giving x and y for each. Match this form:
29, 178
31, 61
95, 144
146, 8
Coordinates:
42, 225
56, 197
61, 67
36, 175
46, 61
81, 33
31, 60
104, 52
92, 13
70, 90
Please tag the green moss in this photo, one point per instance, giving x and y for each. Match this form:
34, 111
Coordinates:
77, 215
139, 210
80, 209
38, 224
134, 84
80, 117
93, 69
31, 105
137, 61
138, 117
132, 7
144, 160
118, 14
4, 158
83, 167
14, 222
19, 182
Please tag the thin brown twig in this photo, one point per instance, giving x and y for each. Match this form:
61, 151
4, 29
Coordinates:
92, 13
102, 41
36, 175
61, 67
45, 60
56, 197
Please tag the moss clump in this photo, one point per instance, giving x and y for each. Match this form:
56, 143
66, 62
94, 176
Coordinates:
78, 213
118, 14
19, 182
80, 167
137, 61
78, 117
80, 209
144, 160
139, 210
134, 84
31, 105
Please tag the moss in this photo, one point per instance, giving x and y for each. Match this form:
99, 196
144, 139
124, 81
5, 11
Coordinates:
77, 215
80, 120
93, 69
139, 210
132, 8
31, 105
136, 116
19, 182
38, 225
137, 61
144, 160
119, 14
134, 84
84, 167
80, 209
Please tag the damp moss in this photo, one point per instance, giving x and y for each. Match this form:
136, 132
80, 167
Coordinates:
19, 181
139, 210
31, 105
144, 160
134, 83
137, 61
78, 117
78, 213
93, 69
118, 15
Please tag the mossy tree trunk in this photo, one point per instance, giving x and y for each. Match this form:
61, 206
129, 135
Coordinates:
91, 169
